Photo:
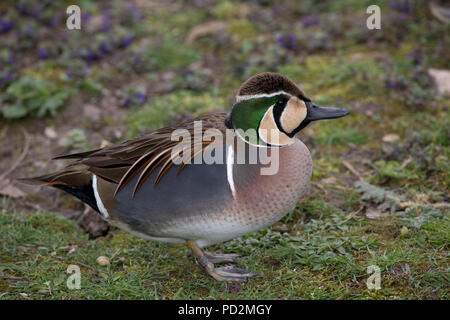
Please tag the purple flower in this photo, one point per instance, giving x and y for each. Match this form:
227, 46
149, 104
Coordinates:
391, 84
135, 11
126, 41
22, 9
53, 21
85, 16
416, 57
309, 21
401, 16
69, 74
406, 7
36, 13
42, 53
6, 26
91, 56
288, 42
106, 20
126, 102
416, 76
8, 77
141, 96
401, 6
394, 5
104, 48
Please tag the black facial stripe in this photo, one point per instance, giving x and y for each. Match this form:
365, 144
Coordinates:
300, 127
257, 132
228, 122
278, 111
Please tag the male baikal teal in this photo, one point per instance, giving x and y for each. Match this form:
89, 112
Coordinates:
139, 187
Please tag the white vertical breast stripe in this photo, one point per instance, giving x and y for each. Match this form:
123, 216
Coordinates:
100, 205
230, 162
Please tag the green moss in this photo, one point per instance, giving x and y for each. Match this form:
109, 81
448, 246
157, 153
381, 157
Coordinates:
241, 30
32, 96
394, 169
228, 10
169, 55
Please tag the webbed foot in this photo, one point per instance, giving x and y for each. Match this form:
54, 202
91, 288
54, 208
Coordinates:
226, 273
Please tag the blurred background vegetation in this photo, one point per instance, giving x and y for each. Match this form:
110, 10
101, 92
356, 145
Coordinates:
380, 184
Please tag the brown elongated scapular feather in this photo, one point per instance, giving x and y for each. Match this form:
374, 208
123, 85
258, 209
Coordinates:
120, 163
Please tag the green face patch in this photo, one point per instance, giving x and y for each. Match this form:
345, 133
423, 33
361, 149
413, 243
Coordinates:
246, 116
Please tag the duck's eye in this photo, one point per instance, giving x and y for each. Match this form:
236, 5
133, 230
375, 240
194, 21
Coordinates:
281, 102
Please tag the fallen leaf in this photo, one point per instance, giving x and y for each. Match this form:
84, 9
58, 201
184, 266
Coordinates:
375, 214
281, 228
204, 29
94, 24
371, 55
391, 138
330, 180
9, 190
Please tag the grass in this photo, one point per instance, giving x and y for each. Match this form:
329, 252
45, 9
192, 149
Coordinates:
324, 257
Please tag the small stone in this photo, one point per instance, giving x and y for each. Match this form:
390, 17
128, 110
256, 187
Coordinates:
391, 138
441, 79
281, 228
50, 133
92, 112
103, 261
404, 231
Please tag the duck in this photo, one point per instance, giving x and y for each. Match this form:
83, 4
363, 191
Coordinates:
206, 180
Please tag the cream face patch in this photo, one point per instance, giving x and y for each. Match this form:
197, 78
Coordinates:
269, 132
293, 114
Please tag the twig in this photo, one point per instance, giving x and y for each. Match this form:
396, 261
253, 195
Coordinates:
4, 132
77, 262
319, 186
404, 164
352, 170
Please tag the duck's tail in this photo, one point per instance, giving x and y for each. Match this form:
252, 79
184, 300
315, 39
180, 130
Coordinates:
74, 179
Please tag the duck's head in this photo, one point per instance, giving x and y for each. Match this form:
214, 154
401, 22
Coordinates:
274, 108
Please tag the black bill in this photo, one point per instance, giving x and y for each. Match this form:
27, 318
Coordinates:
315, 112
